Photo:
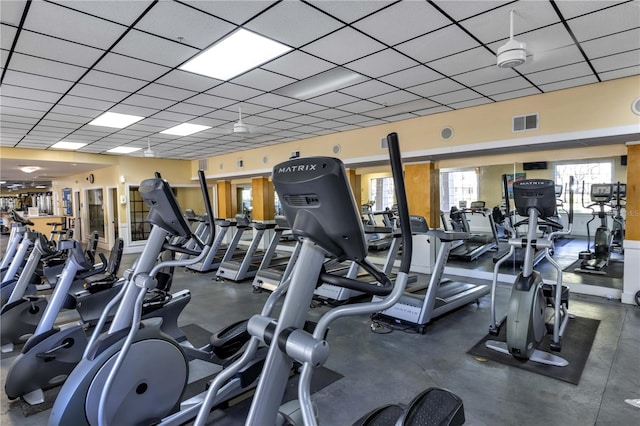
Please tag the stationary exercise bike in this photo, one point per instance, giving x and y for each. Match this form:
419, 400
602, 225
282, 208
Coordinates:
526, 317
596, 261
618, 225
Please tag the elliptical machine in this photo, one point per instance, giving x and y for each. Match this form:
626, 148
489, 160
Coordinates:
596, 261
526, 315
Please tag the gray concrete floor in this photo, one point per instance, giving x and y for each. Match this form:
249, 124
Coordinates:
392, 368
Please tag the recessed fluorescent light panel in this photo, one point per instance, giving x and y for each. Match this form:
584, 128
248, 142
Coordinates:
322, 83
123, 150
185, 129
114, 119
241, 51
67, 145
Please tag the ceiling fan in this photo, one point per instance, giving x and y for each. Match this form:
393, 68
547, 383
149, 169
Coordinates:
148, 153
241, 128
513, 52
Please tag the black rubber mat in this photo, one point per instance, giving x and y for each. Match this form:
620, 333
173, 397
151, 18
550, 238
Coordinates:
576, 345
613, 270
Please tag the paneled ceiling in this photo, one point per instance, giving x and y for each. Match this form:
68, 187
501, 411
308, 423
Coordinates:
66, 62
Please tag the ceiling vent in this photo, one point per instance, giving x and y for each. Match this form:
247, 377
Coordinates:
203, 164
240, 164
446, 133
523, 123
383, 143
294, 154
336, 149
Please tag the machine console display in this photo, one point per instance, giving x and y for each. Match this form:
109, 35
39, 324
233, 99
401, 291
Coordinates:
601, 192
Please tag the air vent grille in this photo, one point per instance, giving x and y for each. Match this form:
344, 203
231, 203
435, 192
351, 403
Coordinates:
203, 164
240, 164
523, 123
383, 143
302, 200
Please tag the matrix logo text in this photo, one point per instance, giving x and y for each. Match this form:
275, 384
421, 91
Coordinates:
301, 168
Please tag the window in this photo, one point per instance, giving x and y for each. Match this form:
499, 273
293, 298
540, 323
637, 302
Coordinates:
457, 186
585, 172
138, 212
381, 192
96, 211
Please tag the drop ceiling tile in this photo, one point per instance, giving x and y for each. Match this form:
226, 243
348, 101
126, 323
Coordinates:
58, 124
358, 44
12, 11
293, 23
125, 13
331, 113
234, 91
36, 81
411, 77
573, 82
350, 11
235, 11
8, 118
71, 110
72, 25
48, 132
133, 110
148, 101
571, 9
346, 128
66, 118
457, 96
100, 93
191, 109
494, 25
172, 20
410, 19
485, 75
506, 85
305, 119
333, 99
470, 103
465, 61
166, 92
26, 104
247, 108
272, 100
147, 129
82, 102
381, 63
559, 74
7, 33
263, 80
55, 49
283, 125
360, 106
154, 49
368, 89
210, 102
437, 87
394, 98
112, 81
224, 115
16, 127
26, 63
27, 93
278, 114
354, 119
10, 110
188, 81
298, 65
516, 94
620, 73
616, 43
173, 116
620, 18
407, 107
614, 62
460, 10
303, 107
442, 43
119, 64
4, 56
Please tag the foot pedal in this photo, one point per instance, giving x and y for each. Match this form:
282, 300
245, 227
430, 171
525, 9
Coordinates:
383, 416
34, 397
229, 340
435, 406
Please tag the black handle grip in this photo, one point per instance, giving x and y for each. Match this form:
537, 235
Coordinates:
401, 198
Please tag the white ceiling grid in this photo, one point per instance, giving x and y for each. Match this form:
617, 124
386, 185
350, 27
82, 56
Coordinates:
66, 62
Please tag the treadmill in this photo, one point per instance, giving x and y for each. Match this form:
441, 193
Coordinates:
476, 244
247, 267
214, 257
273, 270
423, 302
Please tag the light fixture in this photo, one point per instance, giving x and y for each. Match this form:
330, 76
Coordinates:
40, 187
29, 169
123, 150
2, 182
241, 51
513, 52
325, 82
185, 129
67, 145
114, 119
